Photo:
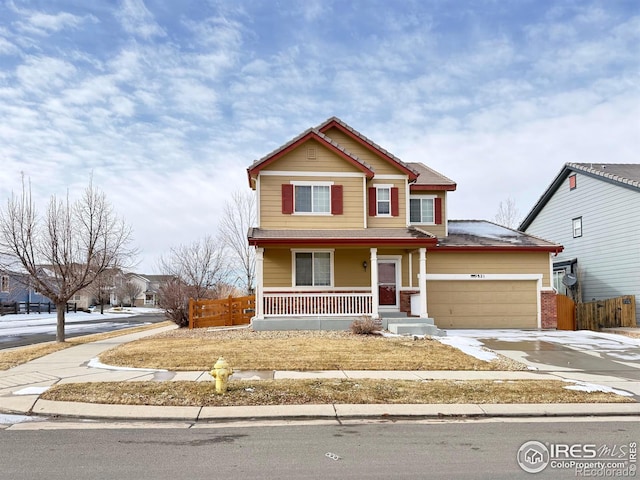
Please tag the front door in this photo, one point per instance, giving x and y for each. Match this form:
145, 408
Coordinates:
388, 284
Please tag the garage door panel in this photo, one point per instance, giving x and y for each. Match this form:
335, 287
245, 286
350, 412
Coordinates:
483, 304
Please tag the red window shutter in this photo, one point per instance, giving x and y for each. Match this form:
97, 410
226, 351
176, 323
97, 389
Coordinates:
373, 208
437, 206
287, 198
336, 199
395, 205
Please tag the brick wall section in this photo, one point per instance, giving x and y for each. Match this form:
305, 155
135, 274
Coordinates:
405, 300
549, 308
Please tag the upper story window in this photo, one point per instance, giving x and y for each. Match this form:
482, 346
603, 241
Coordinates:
312, 269
383, 200
572, 182
4, 283
312, 199
421, 210
577, 227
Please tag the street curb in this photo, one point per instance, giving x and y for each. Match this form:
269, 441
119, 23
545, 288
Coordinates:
338, 412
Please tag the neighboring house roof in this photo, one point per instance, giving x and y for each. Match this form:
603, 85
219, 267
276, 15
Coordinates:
335, 122
484, 235
311, 133
429, 179
378, 236
626, 175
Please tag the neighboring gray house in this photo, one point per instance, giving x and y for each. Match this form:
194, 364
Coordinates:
593, 210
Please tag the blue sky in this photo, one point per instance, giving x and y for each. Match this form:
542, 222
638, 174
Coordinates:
167, 102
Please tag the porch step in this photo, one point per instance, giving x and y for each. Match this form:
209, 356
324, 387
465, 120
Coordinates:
417, 328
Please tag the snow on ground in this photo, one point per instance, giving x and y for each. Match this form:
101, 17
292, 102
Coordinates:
581, 339
95, 363
13, 419
591, 387
33, 323
468, 345
31, 391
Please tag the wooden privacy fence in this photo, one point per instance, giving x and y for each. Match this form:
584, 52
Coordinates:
610, 313
221, 312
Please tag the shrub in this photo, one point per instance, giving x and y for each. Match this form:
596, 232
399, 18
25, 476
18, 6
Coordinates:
364, 326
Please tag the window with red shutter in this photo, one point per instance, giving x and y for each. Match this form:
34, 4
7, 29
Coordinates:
372, 202
395, 204
287, 198
336, 199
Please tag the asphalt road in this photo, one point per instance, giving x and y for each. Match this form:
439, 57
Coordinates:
95, 325
449, 450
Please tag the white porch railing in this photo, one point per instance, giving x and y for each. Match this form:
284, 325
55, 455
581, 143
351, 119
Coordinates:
313, 304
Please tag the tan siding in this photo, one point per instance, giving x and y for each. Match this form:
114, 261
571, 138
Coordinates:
389, 222
489, 262
325, 161
483, 304
348, 268
277, 267
437, 230
379, 165
271, 215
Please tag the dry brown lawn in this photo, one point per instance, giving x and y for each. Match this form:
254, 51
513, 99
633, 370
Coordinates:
18, 356
308, 392
244, 349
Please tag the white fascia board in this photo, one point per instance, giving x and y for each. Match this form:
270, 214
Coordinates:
484, 276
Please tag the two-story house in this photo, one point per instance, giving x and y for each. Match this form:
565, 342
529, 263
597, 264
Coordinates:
593, 210
346, 229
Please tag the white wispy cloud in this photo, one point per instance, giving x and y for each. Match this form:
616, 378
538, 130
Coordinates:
166, 104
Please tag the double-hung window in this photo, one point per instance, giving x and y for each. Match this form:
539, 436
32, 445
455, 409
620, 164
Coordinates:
383, 200
577, 227
4, 283
312, 198
421, 210
312, 269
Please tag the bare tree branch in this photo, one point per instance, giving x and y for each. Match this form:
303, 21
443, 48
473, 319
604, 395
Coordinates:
240, 215
65, 251
508, 215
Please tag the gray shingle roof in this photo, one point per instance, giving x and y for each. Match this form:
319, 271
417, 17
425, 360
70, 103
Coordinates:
481, 233
428, 176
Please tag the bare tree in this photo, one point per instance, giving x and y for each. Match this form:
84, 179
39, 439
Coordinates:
102, 288
131, 290
195, 270
508, 215
240, 215
69, 247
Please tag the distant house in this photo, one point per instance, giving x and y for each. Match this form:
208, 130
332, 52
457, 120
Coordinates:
593, 210
15, 287
346, 229
139, 290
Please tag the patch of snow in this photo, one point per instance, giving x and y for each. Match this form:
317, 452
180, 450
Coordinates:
469, 346
31, 391
13, 419
95, 363
592, 387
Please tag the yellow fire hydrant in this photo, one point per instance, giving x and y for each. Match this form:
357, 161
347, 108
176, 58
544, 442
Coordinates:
221, 372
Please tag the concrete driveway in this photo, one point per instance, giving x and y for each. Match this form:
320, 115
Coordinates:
594, 357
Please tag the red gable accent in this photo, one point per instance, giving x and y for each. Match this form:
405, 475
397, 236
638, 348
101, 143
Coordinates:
253, 171
335, 124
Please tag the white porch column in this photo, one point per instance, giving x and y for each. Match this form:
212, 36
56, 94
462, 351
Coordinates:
259, 283
422, 283
374, 283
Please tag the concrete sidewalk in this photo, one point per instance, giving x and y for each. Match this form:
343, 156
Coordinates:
20, 389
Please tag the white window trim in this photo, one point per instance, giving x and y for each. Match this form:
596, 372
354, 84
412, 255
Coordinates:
420, 197
298, 183
330, 251
573, 226
380, 186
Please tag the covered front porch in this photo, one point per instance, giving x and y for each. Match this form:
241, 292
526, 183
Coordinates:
347, 283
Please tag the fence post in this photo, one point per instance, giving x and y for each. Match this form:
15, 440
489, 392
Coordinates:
191, 302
